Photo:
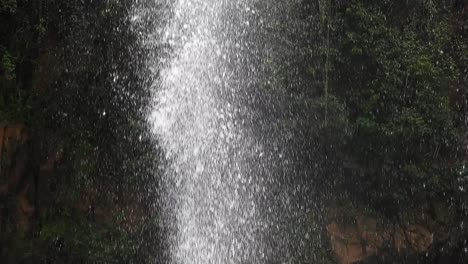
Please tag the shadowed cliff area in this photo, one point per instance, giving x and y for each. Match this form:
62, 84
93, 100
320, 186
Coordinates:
77, 172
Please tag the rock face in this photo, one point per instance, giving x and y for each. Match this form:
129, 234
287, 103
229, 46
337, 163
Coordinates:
16, 179
20, 178
359, 241
413, 233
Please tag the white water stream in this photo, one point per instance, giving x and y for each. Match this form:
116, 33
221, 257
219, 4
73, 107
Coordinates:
216, 181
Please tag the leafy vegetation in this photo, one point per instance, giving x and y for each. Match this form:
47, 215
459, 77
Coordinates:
61, 75
394, 73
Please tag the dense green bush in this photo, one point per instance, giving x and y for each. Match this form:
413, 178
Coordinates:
68, 72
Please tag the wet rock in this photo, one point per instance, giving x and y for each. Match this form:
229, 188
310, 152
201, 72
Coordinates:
363, 236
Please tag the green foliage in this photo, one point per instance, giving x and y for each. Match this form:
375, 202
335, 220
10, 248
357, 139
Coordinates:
404, 132
67, 71
73, 239
388, 123
8, 65
9, 6
20, 27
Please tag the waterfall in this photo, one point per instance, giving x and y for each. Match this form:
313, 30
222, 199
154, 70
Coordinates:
219, 165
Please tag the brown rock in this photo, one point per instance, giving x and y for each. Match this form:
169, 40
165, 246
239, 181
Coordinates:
356, 242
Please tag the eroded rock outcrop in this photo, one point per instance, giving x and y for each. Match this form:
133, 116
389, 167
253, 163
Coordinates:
413, 232
16, 179
365, 238
20, 177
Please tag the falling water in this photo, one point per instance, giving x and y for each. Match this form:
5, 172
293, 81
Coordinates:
219, 173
